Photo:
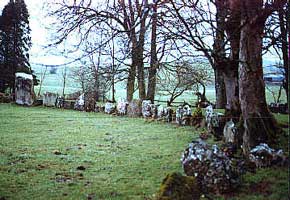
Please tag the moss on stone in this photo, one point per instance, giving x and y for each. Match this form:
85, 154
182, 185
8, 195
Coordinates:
178, 187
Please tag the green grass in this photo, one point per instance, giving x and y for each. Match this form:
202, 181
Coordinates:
124, 158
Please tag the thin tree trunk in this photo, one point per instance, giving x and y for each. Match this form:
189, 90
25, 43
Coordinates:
153, 61
259, 125
131, 81
41, 81
64, 81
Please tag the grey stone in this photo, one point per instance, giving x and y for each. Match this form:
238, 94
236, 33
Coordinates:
135, 108
24, 89
49, 99
110, 108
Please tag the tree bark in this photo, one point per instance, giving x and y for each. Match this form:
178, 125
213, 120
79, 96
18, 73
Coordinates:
139, 57
153, 62
259, 125
220, 90
283, 28
219, 55
232, 27
131, 81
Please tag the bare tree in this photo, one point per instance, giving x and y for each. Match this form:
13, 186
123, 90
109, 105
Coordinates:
174, 80
64, 77
126, 18
43, 74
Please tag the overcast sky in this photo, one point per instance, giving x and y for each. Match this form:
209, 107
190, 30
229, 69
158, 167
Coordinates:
40, 35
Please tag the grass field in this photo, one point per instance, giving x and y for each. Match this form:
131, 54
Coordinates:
51, 153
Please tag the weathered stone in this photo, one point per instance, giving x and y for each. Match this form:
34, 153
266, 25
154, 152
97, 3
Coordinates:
122, 107
161, 112
214, 121
59, 103
264, 156
169, 114
183, 114
146, 109
230, 132
80, 103
216, 171
49, 99
186, 115
178, 187
24, 89
179, 114
110, 108
135, 108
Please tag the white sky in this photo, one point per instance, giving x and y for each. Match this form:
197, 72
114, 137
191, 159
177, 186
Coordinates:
39, 34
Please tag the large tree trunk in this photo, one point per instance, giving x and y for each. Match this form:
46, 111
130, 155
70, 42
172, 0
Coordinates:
140, 76
232, 64
219, 55
283, 28
259, 125
232, 90
153, 61
220, 90
131, 81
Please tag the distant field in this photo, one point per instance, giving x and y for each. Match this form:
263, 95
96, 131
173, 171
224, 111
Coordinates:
54, 83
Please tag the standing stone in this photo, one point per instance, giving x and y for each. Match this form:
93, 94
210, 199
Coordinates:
59, 103
49, 99
135, 108
169, 114
110, 108
24, 89
179, 114
186, 115
146, 108
122, 107
230, 132
80, 103
161, 112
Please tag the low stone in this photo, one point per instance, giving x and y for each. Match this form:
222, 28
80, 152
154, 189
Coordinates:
264, 156
122, 107
146, 109
217, 172
110, 108
178, 187
80, 103
230, 132
135, 108
49, 99
59, 103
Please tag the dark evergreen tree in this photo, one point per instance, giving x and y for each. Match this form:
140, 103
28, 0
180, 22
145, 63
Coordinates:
15, 41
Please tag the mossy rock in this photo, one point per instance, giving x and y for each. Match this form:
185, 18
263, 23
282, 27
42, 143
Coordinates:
178, 187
